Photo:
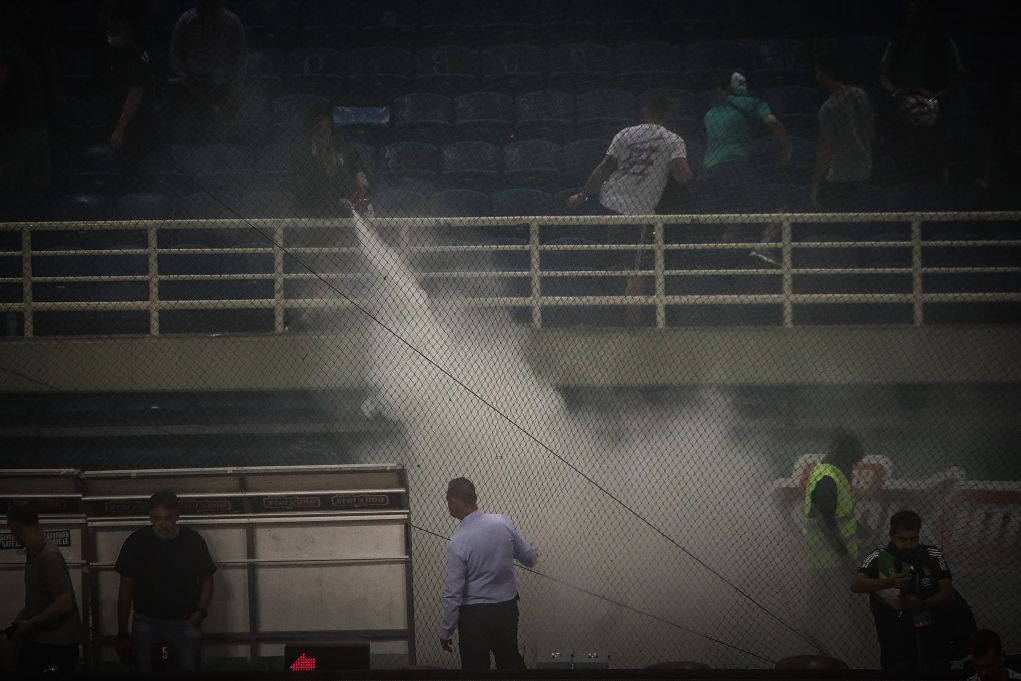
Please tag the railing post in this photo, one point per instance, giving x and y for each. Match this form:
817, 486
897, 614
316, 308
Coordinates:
916, 272
26, 281
154, 281
788, 274
534, 271
660, 266
278, 279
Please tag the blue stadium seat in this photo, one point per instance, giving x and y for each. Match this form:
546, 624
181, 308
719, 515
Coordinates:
522, 201
163, 176
448, 70
448, 22
708, 63
399, 204
318, 70
288, 115
23, 208
647, 65
363, 124
603, 113
624, 20
389, 22
82, 207
483, 115
264, 71
533, 164
580, 66
202, 206
688, 110
544, 114
83, 120
860, 55
581, 158
328, 22
251, 124
796, 171
780, 62
688, 17
513, 68
273, 166
471, 165
272, 24
381, 73
500, 21
146, 206
408, 165
566, 20
423, 116
459, 203
216, 167
796, 107
368, 155
94, 169
268, 205
920, 196
968, 157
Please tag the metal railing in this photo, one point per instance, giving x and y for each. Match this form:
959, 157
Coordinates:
277, 233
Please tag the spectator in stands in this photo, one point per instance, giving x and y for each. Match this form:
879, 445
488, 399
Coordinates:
131, 80
480, 597
908, 584
208, 54
988, 658
329, 176
48, 628
631, 177
843, 152
921, 68
730, 183
166, 576
24, 139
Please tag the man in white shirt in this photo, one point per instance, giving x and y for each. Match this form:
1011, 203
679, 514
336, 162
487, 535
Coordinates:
988, 659
480, 595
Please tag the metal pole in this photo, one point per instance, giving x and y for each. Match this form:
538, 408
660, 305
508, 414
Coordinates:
788, 275
660, 261
534, 270
916, 271
154, 282
278, 279
26, 281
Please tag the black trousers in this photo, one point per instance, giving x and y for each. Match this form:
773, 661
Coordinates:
489, 627
34, 658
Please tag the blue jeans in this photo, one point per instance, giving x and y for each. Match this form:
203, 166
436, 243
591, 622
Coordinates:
170, 645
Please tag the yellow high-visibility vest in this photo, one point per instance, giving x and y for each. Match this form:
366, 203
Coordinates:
820, 551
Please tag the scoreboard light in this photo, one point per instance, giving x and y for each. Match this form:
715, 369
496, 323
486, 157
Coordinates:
312, 657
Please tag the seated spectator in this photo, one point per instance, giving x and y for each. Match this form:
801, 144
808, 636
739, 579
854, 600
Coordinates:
843, 155
24, 139
921, 68
328, 174
988, 658
130, 80
208, 54
730, 183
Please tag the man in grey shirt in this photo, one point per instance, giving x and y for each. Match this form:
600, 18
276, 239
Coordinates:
48, 627
843, 155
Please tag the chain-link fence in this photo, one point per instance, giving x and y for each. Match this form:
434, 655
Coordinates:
626, 269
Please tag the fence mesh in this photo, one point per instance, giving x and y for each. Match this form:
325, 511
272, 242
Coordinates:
628, 268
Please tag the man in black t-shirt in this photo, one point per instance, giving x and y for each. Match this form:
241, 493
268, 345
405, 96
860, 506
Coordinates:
167, 576
130, 80
910, 589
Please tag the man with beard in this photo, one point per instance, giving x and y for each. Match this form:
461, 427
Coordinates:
167, 577
909, 587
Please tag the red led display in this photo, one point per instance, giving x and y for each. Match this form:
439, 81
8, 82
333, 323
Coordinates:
304, 663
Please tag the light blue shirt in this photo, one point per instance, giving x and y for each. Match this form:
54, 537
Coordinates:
480, 565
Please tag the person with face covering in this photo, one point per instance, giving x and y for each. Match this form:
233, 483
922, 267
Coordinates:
909, 586
166, 577
130, 80
329, 176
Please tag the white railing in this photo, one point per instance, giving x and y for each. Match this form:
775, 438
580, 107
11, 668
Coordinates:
277, 231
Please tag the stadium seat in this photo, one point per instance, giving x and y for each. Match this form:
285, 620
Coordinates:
216, 167
146, 206
82, 207
708, 63
271, 24
251, 124
288, 115
459, 203
471, 165
522, 201
379, 74
513, 68
780, 62
94, 169
544, 114
647, 65
268, 205
328, 22
920, 196
448, 22
603, 113
23, 208
688, 17
389, 22
83, 120
624, 20
796, 107
368, 156
408, 165
264, 71
688, 110
399, 204
363, 124
423, 116
580, 66
533, 164
566, 20
968, 152
163, 176
500, 20
581, 158
317, 70
447, 70
860, 55
483, 115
